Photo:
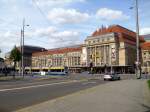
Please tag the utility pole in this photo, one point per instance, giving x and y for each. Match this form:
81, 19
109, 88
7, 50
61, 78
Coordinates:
138, 69
21, 52
22, 48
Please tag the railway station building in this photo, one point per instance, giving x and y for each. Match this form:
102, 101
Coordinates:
106, 48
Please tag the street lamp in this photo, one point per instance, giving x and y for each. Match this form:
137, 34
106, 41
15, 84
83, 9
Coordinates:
22, 46
138, 69
138, 64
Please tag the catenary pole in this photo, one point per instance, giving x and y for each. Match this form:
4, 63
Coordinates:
138, 69
23, 25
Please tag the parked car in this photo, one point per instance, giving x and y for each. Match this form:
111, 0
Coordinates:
112, 76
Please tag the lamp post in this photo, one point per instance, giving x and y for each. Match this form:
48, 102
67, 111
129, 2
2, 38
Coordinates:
138, 69
137, 63
22, 46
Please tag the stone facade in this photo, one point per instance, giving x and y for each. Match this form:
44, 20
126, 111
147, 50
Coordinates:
69, 56
102, 50
146, 57
112, 46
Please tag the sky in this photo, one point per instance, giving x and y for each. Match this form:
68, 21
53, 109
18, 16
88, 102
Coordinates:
59, 23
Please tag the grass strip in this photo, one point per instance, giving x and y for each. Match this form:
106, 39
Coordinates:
148, 83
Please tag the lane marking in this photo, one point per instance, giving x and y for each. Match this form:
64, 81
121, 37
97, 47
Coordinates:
89, 83
29, 83
35, 86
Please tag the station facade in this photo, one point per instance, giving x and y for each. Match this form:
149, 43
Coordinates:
106, 48
60, 57
114, 46
145, 47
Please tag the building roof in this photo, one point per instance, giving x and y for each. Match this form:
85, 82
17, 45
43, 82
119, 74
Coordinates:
145, 46
30, 49
59, 50
123, 33
72, 46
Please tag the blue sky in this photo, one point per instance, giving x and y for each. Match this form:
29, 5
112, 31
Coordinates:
58, 23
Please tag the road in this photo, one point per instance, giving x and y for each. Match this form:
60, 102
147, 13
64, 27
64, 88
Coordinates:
117, 96
17, 95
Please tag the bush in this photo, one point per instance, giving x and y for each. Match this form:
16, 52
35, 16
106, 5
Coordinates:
148, 83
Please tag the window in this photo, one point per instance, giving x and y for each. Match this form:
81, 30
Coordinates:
108, 39
89, 42
97, 40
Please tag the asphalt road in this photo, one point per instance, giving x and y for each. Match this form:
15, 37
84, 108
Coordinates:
116, 96
14, 96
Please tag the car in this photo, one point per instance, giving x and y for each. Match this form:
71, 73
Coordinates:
42, 73
112, 76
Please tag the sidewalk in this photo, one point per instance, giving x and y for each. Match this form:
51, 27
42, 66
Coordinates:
116, 96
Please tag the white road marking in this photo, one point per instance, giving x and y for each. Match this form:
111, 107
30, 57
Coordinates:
88, 83
35, 86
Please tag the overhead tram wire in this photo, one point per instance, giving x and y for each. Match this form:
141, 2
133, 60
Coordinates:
40, 10
42, 13
40, 41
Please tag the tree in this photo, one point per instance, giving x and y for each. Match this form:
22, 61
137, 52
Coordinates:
15, 56
0, 51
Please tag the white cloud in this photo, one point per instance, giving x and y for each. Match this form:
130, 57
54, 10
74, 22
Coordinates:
109, 14
41, 32
8, 39
59, 15
49, 37
64, 38
144, 31
53, 37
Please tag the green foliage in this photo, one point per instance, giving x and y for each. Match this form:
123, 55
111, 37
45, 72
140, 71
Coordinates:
15, 55
148, 83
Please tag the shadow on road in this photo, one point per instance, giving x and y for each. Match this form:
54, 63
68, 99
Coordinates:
3, 110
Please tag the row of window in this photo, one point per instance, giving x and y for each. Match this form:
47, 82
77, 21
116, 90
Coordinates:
57, 55
146, 53
56, 62
93, 41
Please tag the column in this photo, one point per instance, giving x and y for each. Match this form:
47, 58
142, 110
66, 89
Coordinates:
70, 61
104, 55
95, 57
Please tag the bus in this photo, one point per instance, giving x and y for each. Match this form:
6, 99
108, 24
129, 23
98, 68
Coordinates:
58, 71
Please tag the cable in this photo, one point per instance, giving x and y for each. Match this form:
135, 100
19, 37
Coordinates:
39, 41
42, 13
40, 10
